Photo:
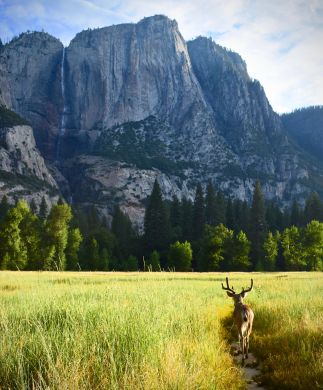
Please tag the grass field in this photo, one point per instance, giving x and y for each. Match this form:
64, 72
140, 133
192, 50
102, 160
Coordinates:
155, 330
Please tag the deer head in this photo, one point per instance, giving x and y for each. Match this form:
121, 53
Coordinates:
232, 294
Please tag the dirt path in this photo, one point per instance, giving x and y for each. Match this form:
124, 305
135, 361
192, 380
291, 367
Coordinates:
252, 369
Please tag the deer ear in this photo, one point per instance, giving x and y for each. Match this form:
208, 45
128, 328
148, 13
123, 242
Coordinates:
230, 294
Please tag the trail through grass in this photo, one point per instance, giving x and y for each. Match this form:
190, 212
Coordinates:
154, 330
112, 331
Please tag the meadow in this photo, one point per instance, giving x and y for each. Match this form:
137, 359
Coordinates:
155, 330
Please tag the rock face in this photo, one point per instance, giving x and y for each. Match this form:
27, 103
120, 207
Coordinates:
125, 104
23, 173
29, 75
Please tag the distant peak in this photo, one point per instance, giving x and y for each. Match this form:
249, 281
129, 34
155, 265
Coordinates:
33, 36
159, 19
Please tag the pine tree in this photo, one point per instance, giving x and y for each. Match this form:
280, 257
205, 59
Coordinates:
33, 206
187, 219
121, 227
257, 227
220, 209
156, 223
4, 207
198, 213
313, 208
43, 209
175, 219
295, 215
210, 205
229, 217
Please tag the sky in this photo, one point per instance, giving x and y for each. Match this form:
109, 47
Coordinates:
280, 40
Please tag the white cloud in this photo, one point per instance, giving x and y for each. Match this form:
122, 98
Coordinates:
281, 41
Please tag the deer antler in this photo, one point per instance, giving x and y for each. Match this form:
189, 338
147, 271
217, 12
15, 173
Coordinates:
248, 289
228, 288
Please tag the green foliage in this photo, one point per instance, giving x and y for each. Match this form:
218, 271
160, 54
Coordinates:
221, 249
213, 247
13, 248
156, 223
153, 263
125, 235
43, 209
73, 246
180, 256
257, 227
210, 205
56, 233
313, 208
293, 249
313, 246
271, 246
4, 207
132, 263
198, 213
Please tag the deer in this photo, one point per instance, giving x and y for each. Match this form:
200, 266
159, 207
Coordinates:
242, 315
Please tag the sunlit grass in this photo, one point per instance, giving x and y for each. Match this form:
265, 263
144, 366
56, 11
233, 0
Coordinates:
153, 330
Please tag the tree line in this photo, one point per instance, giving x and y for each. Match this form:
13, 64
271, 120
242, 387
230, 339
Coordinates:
210, 233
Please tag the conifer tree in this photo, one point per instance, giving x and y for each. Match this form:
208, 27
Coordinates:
156, 222
198, 213
33, 206
220, 209
210, 205
229, 217
43, 209
121, 227
257, 227
187, 219
313, 208
175, 219
4, 207
295, 215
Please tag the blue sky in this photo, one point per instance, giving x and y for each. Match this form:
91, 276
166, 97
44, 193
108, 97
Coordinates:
281, 40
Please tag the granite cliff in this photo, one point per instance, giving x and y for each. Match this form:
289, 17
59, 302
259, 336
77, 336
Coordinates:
125, 104
23, 173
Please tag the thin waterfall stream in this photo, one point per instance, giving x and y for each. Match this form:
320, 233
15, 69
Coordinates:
61, 130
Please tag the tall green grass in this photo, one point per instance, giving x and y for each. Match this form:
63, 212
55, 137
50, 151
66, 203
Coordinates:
154, 330
112, 331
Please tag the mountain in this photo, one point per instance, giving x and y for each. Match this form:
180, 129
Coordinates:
23, 172
305, 127
123, 105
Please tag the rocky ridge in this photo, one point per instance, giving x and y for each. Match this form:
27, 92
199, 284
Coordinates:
138, 102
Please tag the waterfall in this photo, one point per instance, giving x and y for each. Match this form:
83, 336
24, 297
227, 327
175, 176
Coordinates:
61, 130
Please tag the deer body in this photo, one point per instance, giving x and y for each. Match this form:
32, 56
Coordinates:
243, 317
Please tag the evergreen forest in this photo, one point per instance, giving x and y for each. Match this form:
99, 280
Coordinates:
211, 233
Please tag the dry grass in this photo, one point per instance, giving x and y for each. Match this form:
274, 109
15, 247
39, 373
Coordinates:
153, 330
